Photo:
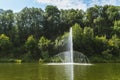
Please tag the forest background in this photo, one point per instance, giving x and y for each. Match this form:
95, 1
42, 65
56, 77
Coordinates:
34, 34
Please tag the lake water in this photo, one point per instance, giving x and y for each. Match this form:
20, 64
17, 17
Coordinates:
34, 71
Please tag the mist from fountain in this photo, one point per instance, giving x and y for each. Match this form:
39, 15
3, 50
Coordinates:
69, 56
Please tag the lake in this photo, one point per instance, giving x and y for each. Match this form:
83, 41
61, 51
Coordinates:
35, 71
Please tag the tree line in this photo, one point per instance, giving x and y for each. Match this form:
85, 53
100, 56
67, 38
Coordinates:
34, 34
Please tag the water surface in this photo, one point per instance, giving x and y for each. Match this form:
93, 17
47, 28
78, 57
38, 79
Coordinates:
35, 71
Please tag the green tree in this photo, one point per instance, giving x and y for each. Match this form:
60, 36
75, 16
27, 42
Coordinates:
114, 44
52, 27
88, 32
69, 17
116, 28
77, 36
83, 39
44, 46
6, 22
87, 40
72, 16
30, 21
5, 45
100, 44
101, 19
113, 13
32, 48
91, 14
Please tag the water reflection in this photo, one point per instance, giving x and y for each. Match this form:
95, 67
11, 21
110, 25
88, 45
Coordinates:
80, 72
65, 71
59, 72
69, 71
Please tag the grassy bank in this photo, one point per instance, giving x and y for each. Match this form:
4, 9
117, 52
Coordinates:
93, 59
6, 60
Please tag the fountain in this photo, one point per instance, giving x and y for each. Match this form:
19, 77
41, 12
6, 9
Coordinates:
69, 58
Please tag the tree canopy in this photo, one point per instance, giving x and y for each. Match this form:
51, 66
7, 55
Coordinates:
36, 33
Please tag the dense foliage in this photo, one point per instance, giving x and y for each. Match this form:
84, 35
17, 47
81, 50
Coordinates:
34, 34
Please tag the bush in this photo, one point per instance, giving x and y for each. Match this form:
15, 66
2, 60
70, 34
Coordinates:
106, 54
98, 59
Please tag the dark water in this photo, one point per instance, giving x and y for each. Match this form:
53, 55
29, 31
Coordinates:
34, 71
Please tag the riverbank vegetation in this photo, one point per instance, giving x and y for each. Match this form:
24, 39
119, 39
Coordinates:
34, 34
